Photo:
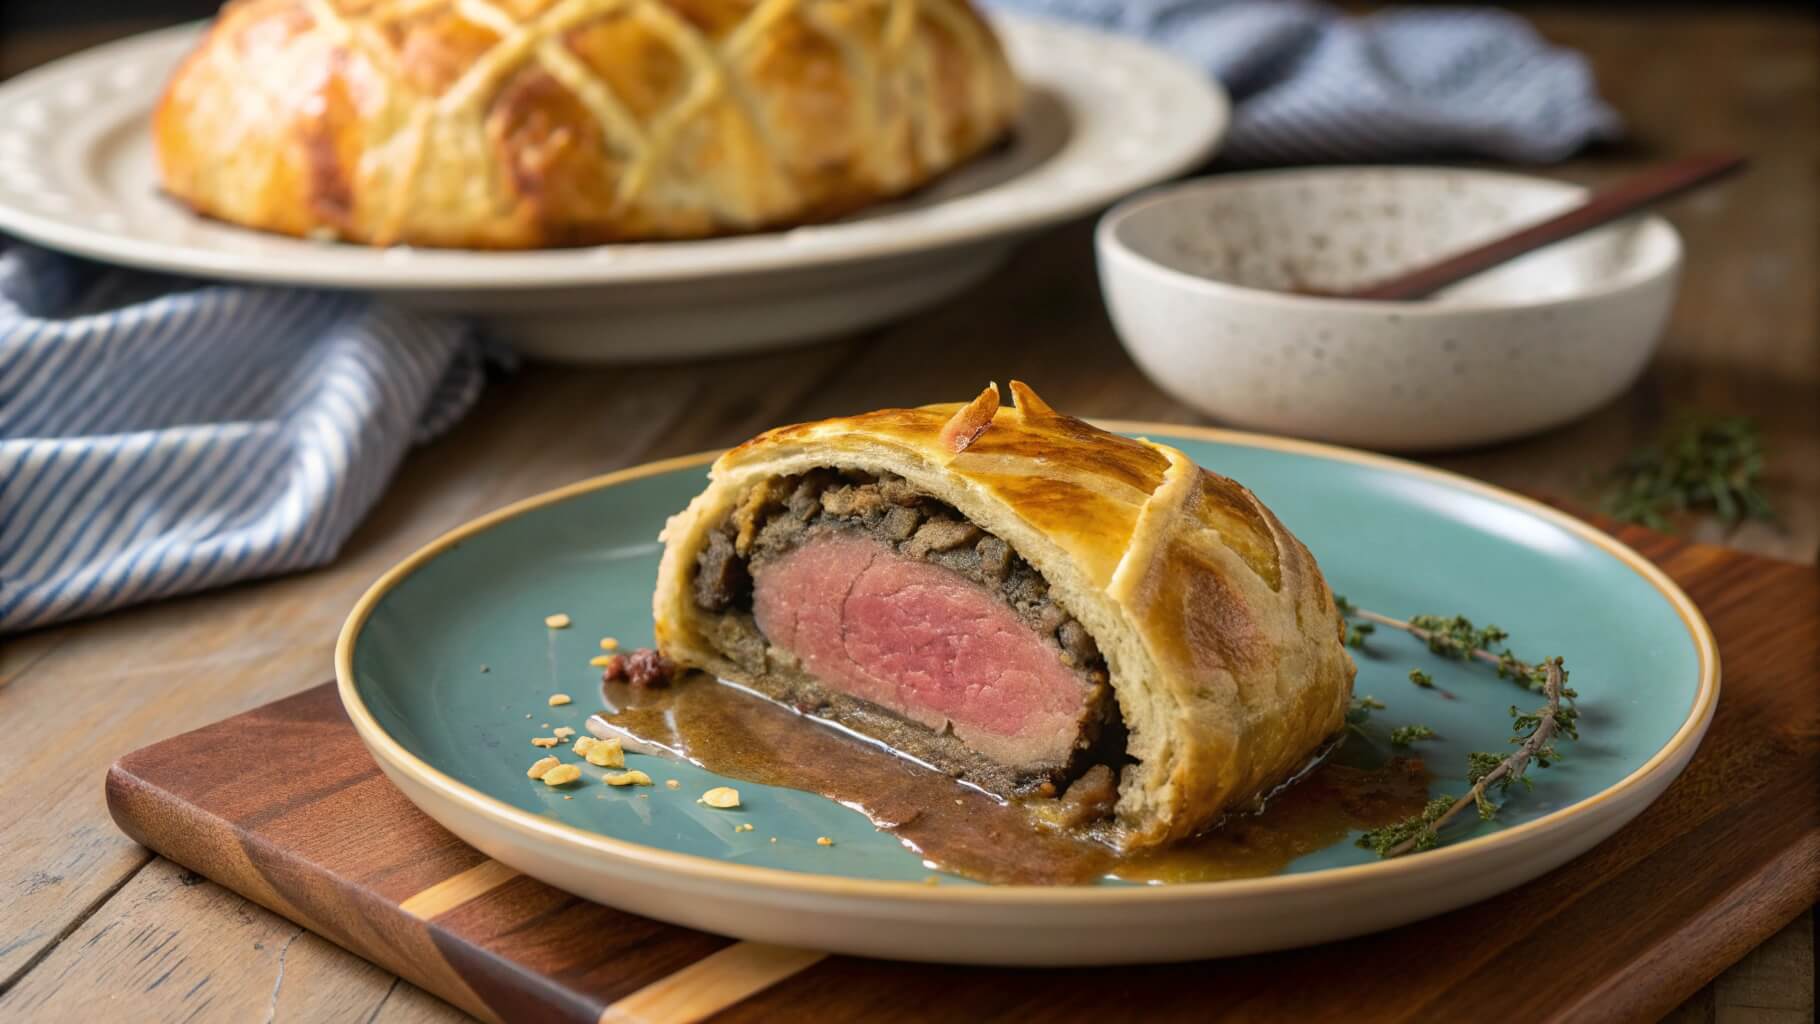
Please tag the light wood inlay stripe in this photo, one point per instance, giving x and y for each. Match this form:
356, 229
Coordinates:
452, 892
710, 984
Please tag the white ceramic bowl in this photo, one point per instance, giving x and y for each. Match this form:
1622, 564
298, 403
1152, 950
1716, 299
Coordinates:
1197, 278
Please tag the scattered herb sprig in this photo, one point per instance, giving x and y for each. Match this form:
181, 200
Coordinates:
1455, 637
1534, 733
1534, 738
1404, 735
1711, 464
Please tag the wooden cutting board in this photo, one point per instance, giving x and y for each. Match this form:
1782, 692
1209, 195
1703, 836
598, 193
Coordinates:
283, 805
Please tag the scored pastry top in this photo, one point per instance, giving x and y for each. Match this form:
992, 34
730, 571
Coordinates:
1221, 636
529, 123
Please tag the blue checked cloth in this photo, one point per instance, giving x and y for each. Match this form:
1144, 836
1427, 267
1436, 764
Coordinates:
159, 436
1312, 85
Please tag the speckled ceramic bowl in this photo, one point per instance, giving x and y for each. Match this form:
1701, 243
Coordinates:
1199, 280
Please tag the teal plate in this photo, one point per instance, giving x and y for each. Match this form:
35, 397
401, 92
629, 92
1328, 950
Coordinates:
446, 668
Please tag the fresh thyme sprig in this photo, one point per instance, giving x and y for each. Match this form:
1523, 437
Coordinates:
1698, 464
1535, 734
1457, 638
1404, 735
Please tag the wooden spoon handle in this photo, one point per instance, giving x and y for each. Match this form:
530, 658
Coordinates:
1602, 207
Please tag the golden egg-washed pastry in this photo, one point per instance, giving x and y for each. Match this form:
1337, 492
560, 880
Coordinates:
511, 124
1019, 598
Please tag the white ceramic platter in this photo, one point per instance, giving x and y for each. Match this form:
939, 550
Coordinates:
1105, 116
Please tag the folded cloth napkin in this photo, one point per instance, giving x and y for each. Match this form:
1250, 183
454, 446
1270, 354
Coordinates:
1312, 84
159, 436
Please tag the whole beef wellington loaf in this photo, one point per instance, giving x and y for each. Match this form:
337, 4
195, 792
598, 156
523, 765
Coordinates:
529, 124
1018, 598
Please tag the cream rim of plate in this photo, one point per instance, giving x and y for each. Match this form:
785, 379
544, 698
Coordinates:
76, 175
1498, 849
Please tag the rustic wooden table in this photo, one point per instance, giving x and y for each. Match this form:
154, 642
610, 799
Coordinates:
85, 913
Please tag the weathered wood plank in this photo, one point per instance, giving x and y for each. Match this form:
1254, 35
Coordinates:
173, 946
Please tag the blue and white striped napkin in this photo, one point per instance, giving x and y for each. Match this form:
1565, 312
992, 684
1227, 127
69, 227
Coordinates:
1313, 85
159, 436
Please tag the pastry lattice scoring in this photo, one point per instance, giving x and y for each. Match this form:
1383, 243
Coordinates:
528, 122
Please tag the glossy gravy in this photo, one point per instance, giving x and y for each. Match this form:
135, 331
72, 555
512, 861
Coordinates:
965, 831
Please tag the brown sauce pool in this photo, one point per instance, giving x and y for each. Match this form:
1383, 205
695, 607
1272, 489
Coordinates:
964, 831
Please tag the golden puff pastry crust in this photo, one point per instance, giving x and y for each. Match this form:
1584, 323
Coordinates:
1220, 634
516, 124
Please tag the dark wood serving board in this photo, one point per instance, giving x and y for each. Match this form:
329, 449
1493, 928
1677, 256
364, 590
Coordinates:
283, 805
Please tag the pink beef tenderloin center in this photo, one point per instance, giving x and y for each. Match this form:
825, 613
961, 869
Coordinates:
924, 642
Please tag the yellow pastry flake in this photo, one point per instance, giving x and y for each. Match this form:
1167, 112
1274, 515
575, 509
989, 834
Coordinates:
722, 797
607, 754
631, 778
601, 660
558, 699
543, 765
563, 732
543, 741
823, 841
561, 775
557, 621
608, 643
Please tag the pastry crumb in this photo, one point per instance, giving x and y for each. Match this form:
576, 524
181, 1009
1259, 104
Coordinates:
608, 643
608, 753
557, 621
601, 660
563, 732
774, 839
543, 741
745, 827
672, 784
823, 841
558, 699
723, 797
561, 775
631, 778
567, 797
537, 770
582, 743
